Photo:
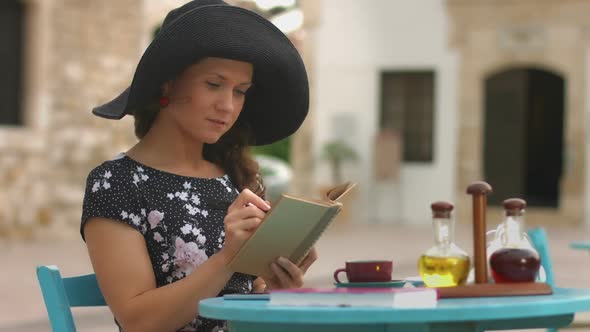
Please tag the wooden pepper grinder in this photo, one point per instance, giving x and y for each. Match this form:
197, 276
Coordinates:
479, 191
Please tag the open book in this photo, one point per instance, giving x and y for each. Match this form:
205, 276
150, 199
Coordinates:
290, 229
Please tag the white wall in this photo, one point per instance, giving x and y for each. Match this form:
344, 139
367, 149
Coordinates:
354, 42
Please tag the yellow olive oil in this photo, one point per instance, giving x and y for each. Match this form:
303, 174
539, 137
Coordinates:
443, 271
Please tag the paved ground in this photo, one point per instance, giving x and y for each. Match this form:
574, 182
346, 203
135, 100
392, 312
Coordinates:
22, 309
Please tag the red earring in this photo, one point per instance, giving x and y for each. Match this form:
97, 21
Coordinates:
164, 101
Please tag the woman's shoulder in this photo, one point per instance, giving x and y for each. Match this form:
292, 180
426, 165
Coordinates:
117, 169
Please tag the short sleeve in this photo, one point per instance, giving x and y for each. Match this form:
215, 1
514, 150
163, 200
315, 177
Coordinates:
111, 193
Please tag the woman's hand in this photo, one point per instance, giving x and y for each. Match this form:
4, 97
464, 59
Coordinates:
243, 217
288, 275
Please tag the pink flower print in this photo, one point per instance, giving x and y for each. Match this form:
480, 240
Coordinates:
188, 256
158, 237
154, 218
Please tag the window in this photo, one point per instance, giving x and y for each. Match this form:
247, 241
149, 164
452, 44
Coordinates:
11, 57
407, 107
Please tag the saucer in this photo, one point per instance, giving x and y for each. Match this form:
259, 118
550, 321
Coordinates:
415, 281
384, 284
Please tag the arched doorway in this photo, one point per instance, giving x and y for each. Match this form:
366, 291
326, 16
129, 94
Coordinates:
523, 135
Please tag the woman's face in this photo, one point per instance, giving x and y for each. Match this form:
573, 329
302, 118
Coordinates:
207, 98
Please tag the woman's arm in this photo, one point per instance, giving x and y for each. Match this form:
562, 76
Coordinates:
125, 274
126, 278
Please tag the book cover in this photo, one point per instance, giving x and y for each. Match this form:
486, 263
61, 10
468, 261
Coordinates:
290, 229
373, 297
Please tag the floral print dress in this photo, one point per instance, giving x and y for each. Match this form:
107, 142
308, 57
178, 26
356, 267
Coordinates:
181, 219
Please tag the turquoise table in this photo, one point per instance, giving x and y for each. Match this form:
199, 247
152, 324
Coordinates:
458, 315
580, 245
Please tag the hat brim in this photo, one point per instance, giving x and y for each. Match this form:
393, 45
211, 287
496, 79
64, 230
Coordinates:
275, 106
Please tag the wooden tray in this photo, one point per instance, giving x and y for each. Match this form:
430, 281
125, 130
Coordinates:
485, 290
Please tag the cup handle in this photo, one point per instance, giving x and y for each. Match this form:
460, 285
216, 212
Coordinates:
336, 273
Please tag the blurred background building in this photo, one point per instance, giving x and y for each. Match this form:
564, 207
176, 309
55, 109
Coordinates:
412, 99
433, 95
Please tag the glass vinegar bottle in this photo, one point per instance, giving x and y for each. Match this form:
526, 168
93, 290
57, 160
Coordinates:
512, 258
445, 264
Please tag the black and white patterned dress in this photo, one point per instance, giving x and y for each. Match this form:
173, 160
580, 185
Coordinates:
181, 218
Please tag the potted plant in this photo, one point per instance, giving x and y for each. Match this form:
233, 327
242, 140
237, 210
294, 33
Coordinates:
336, 152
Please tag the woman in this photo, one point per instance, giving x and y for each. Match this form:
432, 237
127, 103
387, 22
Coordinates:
163, 220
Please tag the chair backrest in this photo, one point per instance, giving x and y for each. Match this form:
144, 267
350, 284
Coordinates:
538, 237
60, 294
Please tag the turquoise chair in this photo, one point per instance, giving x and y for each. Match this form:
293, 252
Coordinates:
538, 238
60, 294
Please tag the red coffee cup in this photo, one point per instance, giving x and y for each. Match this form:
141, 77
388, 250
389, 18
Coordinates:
366, 271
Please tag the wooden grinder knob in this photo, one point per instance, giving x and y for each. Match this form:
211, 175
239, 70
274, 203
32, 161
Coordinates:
479, 190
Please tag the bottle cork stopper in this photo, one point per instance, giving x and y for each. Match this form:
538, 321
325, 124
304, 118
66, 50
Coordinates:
441, 209
514, 206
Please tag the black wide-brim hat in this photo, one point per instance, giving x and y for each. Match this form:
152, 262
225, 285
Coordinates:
275, 105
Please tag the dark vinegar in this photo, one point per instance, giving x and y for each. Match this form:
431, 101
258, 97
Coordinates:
514, 265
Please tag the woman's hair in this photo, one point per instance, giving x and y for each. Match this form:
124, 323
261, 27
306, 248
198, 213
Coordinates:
230, 152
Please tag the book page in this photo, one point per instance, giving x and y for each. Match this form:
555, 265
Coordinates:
339, 191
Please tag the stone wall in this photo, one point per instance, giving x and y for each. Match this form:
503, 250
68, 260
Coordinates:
89, 52
79, 54
492, 35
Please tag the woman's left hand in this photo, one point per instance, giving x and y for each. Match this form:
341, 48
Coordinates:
288, 275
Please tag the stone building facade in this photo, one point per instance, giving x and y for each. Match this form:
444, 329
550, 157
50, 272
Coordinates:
76, 54
553, 36
492, 90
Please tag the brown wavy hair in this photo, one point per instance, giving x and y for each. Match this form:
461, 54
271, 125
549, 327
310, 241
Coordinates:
231, 152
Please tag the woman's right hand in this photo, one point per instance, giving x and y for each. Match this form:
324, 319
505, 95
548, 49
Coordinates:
243, 217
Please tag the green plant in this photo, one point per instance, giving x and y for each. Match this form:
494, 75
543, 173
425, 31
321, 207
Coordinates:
280, 149
336, 152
